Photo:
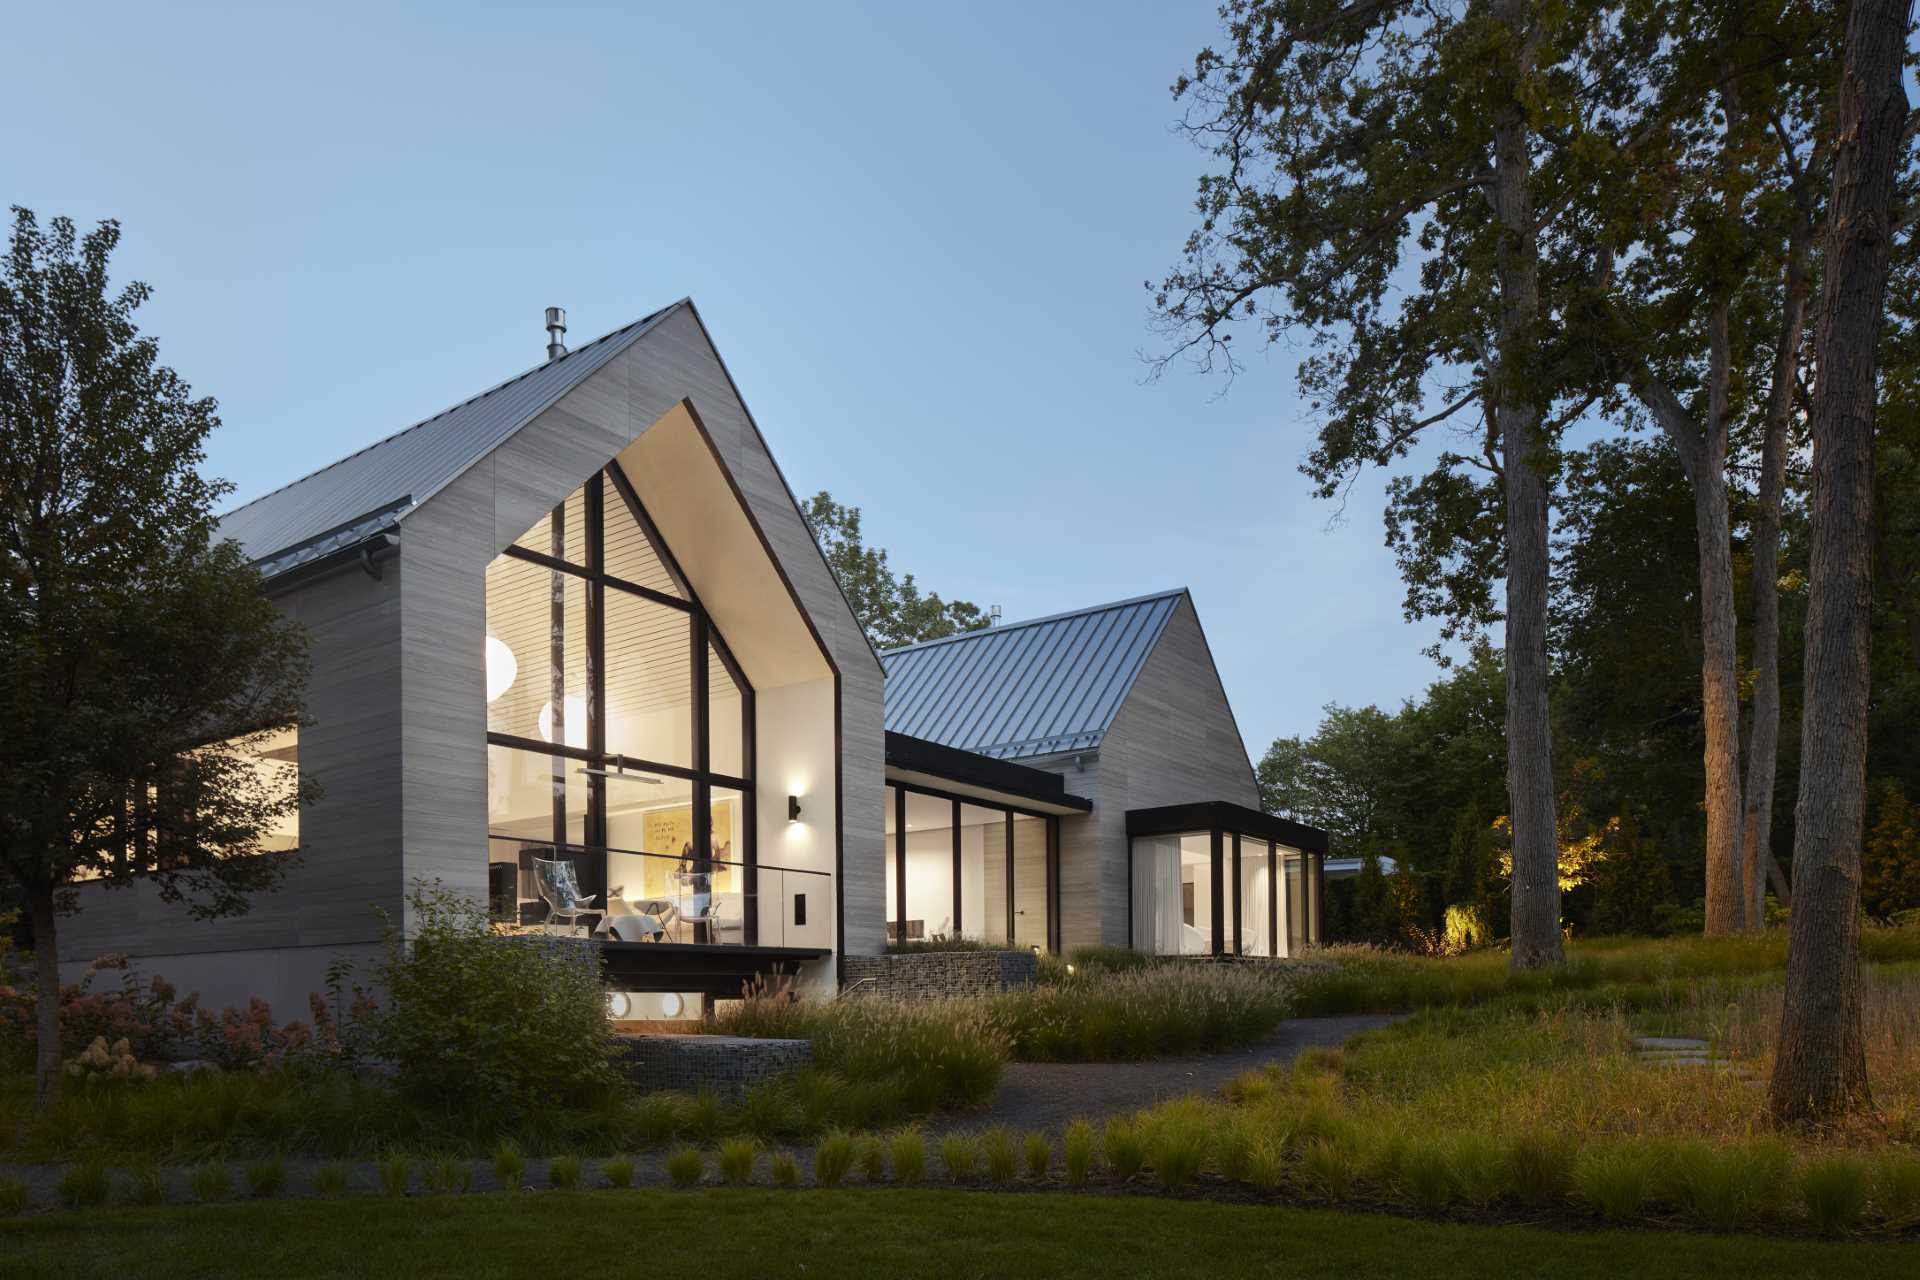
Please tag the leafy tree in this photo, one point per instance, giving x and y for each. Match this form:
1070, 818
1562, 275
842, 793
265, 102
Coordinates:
891, 608
1890, 862
140, 665
1629, 884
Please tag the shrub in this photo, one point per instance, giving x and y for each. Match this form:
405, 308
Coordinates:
1038, 1153
1540, 1166
685, 1166
445, 1174
396, 1173
84, 1186
490, 1024
1615, 1181
13, 1197
832, 1157
618, 1172
785, 1169
996, 1148
1077, 1151
509, 1166
146, 1184
1833, 1193
330, 1180
736, 1161
1327, 1169
267, 1177
908, 1150
211, 1182
1896, 1189
960, 1153
563, 1172
871, 1155
1121, 1145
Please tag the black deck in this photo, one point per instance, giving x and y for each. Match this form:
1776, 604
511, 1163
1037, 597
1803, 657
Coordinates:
711, 969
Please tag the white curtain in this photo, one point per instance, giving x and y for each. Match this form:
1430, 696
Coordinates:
1157, 920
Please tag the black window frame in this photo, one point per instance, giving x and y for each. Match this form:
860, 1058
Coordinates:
897, 909
702, 634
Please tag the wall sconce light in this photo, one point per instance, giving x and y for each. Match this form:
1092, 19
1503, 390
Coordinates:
793, 808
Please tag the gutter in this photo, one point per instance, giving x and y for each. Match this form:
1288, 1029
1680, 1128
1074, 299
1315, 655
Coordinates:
368, 555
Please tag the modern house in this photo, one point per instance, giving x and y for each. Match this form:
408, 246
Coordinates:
576, 651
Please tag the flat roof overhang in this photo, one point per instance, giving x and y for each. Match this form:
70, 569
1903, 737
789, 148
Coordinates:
714, 969
919, 762
1223, 815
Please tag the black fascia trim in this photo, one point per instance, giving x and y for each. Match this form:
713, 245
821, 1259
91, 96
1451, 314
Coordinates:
919, 755
1208, 815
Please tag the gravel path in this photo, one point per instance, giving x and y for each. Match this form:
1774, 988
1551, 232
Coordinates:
1047, 1095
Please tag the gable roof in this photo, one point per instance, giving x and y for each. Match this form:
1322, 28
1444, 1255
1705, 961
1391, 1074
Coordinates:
374, 488
1030, 688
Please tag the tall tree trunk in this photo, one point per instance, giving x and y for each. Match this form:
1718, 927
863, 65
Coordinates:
46, 956
1820, 1067
1524, 462
1763, 740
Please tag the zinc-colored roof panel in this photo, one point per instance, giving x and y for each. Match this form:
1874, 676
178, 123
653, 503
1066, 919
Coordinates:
1028, 688
405, 469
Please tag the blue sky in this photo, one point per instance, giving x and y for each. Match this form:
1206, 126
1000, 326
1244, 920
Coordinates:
917, 232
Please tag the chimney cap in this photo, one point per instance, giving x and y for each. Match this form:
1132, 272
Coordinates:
556, 332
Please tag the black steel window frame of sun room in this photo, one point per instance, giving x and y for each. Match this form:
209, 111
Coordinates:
898, 852
595, 754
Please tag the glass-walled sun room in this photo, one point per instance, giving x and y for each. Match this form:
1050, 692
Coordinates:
1219, 880
967, 869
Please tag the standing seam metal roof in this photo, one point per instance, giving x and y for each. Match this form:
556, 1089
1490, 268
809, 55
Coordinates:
1028, 688
397, 474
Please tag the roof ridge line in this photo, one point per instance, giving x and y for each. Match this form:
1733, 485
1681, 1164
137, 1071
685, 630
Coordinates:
1005, 627
458, 404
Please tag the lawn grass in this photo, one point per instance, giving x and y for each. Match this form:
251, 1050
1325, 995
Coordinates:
873, 1233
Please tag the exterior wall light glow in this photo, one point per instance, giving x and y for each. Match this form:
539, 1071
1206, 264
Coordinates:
793, 808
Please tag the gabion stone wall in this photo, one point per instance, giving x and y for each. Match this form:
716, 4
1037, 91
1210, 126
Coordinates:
935, 975
728, 1065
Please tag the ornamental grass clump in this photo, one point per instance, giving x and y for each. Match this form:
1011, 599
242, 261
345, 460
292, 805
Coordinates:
736, 1159
618, 1172
1615, 1180
870, 1153
1896, 1190
1175, 1149
1727, 1188
1833, 1193
1144, 1012
444, 1175
1076, 1146
13, 1197
1001, 1157
832, 1158
509, 1165
1478, 1167
960, 1153
1425, 1177
563, 1172
1037, 1151
654, 1118
908, 1150
146, 1183
84, 1186
686, 1166
1327, 1169
1539, 1166
785, 1169
211, 1182
1121, 1146
266, 1177
330, 1180
395, 1171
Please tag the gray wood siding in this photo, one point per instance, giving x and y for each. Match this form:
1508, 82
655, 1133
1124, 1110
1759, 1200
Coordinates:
451, 538
349, 864
1174, 741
